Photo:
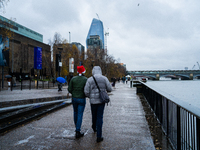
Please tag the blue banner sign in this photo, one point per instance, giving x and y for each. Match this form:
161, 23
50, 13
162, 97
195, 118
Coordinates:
37, 58
4, 51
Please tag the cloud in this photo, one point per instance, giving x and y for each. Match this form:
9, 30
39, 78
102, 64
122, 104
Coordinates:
154, 35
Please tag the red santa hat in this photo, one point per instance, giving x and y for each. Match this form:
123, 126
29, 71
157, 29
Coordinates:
80, 70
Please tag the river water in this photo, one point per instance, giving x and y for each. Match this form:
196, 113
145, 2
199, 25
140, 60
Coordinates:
186, 92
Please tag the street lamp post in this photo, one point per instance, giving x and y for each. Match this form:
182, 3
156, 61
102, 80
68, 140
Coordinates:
2, 77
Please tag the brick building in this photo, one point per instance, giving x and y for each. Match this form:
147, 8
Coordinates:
20, 50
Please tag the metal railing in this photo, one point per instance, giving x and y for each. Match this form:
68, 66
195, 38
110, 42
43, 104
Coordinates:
181, 126
28, 84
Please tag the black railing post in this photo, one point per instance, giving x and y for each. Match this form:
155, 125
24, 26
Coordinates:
178, 128
30, 84
21, 84
2, 77
21, 77
161, 109
198, 133
11, 84
167, 108
37, 77
155, 103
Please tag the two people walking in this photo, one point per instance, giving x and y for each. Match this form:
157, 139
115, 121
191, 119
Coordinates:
80, 87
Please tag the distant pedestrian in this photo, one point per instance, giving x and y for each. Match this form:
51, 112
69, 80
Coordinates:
59, 86
114, 81
97, 108
76, 88
123, 79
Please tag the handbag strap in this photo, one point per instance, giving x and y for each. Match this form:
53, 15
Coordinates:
96, 83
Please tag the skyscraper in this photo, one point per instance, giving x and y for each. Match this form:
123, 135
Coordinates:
96, 28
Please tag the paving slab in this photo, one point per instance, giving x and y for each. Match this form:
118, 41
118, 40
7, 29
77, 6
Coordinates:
124, 127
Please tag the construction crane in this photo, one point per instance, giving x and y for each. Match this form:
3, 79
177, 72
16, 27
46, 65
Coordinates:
198, 65
98, 16
193, 67
106, 34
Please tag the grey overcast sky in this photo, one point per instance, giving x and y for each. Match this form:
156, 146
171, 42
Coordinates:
143, 34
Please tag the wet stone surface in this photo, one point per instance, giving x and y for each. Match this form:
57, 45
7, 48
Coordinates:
125, 127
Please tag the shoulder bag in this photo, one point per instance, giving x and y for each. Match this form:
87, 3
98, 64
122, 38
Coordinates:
102, 94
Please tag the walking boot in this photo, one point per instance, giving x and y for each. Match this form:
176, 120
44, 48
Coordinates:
99, 139
79, 134
94, 129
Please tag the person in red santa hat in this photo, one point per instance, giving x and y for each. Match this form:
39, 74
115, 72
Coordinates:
76, 88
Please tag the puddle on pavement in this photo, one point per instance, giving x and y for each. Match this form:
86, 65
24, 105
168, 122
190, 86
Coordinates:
64, 134
159, 138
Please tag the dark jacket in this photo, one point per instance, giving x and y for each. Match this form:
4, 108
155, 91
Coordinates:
76, 86
91, 89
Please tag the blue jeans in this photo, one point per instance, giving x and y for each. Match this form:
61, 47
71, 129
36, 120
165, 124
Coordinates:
79, 106
97, 118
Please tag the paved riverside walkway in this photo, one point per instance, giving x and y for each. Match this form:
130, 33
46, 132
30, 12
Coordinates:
124, 127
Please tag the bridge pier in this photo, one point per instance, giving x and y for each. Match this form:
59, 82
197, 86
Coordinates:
191, 76
157, 76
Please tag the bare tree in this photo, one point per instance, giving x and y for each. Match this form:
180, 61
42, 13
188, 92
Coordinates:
3, 3
57, 38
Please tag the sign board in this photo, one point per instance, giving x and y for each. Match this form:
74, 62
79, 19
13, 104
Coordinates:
60, 64
37, 58
4, 51
71, 65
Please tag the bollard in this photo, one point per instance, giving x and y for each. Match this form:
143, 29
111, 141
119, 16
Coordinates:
43, 84
11, 84
30, 84
21, 84
131, 85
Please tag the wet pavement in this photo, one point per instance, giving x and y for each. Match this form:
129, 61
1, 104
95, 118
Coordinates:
8, 95
21, 97
125, 126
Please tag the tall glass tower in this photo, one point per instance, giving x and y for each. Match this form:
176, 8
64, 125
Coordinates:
96, 28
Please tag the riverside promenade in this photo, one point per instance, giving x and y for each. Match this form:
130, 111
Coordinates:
124, 128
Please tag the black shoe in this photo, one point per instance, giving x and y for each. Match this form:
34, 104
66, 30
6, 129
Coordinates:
99, 139
79, 134
94, 129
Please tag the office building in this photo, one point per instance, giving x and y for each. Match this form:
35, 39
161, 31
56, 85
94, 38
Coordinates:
80, 47
96, 29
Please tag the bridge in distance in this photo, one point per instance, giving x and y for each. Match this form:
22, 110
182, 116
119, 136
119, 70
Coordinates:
156, 74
